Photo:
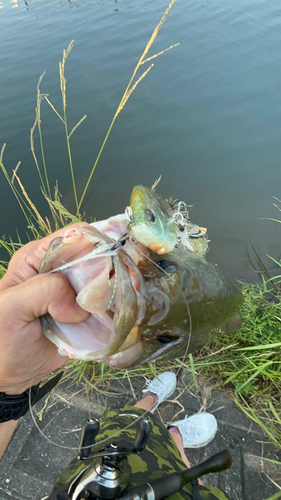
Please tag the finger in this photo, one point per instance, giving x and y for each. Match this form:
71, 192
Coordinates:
25, 262
38, 251
47, 240
45, 293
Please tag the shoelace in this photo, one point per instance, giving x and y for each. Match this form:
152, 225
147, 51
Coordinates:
191, 431
158, 385
158, 388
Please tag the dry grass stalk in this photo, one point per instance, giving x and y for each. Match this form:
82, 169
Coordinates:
32, 143
15, 171
33, 150
76, 126
2, 152
40, 96
8, 178
54, 109
159, 53
264, 466
175, 401
146, 50
63, 94
61, 72
40, 414
48, 224
133, 392
275, 484
44, 225
126, 97
37, 122
157, 29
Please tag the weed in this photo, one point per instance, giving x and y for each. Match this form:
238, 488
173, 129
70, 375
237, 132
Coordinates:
248, 362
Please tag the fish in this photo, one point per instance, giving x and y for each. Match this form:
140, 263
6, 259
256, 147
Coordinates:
145, 280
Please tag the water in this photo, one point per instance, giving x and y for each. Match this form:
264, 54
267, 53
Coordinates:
207, 117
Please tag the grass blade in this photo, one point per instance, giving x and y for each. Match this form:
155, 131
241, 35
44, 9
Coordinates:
193, 371
77, 125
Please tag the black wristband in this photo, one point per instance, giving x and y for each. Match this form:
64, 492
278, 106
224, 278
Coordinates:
12, 407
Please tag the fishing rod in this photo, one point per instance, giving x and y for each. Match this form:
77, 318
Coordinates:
107, 475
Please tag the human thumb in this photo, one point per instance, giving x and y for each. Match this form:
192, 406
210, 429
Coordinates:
44, 293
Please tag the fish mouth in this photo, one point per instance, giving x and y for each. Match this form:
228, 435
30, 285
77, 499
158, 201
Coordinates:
109, 286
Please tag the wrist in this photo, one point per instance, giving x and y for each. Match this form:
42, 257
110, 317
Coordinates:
14, 389
14, 406
16, 384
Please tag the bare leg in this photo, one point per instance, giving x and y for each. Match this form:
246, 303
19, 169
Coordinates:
178, 440
146, 403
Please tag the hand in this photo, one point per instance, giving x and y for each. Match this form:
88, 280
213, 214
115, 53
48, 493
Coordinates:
26, 355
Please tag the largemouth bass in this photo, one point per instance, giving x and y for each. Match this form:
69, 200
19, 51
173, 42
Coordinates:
144, 278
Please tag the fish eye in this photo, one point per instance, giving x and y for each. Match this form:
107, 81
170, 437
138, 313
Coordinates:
164, 340
150, 215
168, 266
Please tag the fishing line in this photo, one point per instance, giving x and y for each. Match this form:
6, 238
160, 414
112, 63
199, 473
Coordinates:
106, 440
95, 254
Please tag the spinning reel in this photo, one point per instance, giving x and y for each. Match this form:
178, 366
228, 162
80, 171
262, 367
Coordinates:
107, 473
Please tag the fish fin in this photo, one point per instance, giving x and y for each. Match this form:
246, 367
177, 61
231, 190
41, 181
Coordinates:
232, 325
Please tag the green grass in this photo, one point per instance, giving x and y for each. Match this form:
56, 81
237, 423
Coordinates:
248, 363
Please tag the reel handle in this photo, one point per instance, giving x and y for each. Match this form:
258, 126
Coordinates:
168, 485
89, 432
144, 428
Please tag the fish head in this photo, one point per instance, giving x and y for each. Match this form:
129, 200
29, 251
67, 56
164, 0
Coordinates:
151, 221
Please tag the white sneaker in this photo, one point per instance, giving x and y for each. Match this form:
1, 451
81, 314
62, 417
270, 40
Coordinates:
163, 387
197, 430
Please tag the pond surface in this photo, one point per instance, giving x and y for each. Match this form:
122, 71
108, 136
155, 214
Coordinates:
207, 116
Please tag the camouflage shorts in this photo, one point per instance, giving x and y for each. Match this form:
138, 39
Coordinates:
160, 457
